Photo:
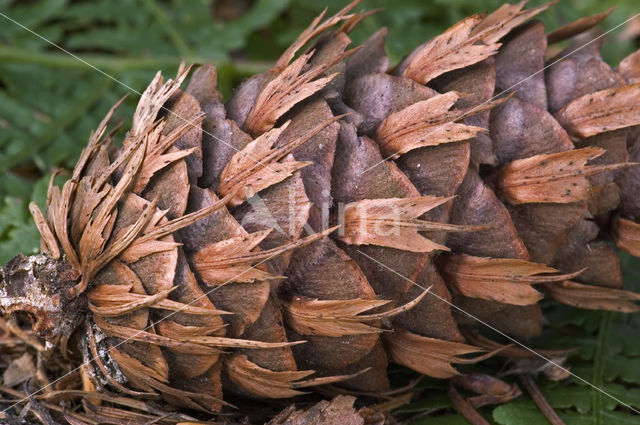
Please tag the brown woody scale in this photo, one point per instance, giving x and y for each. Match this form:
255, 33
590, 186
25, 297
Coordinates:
183, 283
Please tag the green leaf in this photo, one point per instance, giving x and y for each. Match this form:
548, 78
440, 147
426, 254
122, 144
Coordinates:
17, 232
518, 413
31, 15
527, 413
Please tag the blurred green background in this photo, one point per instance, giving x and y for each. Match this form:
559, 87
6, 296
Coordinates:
50, 102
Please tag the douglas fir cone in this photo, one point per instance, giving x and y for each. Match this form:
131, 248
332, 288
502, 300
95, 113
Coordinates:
326, 220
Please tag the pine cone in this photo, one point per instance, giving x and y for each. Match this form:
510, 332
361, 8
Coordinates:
328, 217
